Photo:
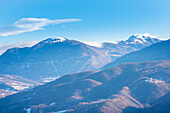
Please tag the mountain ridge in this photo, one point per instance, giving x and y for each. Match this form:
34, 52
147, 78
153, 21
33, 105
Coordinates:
83, 92
54, 57
149, 53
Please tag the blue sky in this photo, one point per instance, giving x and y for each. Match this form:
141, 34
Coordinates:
101, 20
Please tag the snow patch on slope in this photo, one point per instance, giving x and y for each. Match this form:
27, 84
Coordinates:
54, 40
28, 110
145, 35
62, 111
52, 104
152, 80
58, 39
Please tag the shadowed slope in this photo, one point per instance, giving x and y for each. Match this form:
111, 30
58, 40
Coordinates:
128, 85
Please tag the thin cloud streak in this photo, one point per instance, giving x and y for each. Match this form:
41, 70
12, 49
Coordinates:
31, 24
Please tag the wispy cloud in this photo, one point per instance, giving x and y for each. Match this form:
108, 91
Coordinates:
30, 24
4, 47
93, 43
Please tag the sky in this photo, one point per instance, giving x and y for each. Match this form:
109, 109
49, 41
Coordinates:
25, 21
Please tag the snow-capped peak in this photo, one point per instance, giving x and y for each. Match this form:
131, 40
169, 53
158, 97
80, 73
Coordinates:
54, 40
49, 41
140, 38
146, 35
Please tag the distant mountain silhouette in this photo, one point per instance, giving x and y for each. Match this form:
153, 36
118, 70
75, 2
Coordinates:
158, 51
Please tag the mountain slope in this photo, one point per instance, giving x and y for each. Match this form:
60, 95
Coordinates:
10, 84
160, 106
50, 58
129, 85
158, 51
55, 57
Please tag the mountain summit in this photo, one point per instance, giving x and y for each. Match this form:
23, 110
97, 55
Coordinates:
54, 40
142, 39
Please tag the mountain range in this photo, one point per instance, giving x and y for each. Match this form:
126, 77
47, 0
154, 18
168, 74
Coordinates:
55, 57
158, 51
128, 87
137, 82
